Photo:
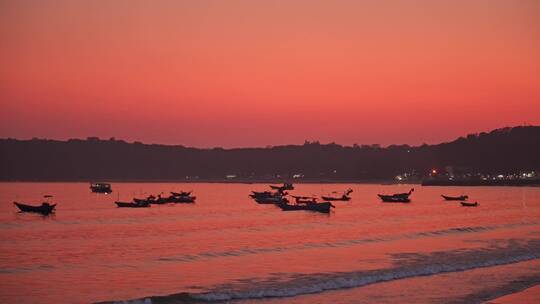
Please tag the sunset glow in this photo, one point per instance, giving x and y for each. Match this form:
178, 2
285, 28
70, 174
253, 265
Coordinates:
257, 73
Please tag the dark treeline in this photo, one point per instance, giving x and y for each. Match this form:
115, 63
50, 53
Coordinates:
501, 151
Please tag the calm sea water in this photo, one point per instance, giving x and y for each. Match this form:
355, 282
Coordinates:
227, 247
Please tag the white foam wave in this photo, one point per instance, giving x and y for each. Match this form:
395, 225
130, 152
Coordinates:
320, 283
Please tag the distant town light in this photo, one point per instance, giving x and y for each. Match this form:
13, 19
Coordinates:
434, 171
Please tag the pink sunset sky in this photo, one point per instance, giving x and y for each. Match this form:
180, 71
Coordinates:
257, 73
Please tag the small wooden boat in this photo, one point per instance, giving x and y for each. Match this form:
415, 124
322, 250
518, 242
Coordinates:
133, 204
44, 208
271, 200
466, 204
181, 193
286, 186
159, 200
148, 200
406, 194
101, 188
345, 197
185, 199
255, 194
455, 198
267, 194
395, 199
342, 198
319, 207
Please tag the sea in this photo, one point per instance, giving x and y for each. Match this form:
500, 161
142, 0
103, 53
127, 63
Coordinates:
226, 248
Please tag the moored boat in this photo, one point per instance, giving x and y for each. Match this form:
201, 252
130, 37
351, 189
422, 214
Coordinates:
158, 200
395, 199
101, 188
186, 199
149, 200
271, 200
141, 204
45, 208
455, 198
181, 193
345, 197
319, 207
267, 194
175, 197
467, 204
285, 186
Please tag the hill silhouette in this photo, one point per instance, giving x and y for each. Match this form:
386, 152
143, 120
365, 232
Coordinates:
500, 151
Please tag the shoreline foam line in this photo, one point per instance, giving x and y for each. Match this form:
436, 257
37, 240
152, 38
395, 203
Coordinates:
415, 265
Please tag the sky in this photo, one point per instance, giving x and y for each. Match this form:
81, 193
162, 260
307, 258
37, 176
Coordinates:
256, 73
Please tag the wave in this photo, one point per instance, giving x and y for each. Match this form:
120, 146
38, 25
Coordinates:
341, 243
405, 266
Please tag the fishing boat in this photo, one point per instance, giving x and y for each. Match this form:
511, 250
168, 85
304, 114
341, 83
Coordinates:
267, 197
395, 199
266, 194
467, 204
401, 195
181, 193
142, 204
159, 200
149, 200
255, 194
45, 208
455, 198
285, 186
271, 200
344, 197
319, 207
181, 199
101, 188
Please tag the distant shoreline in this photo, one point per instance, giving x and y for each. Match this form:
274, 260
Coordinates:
524, 183
507, 151
217, 181
480, 183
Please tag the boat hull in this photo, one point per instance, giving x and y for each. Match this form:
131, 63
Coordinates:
101, 188
271, 200
395, 200
182, 200
329, 198
465, 204
455, 198
43, 209
319, 207
132, 205
181, 193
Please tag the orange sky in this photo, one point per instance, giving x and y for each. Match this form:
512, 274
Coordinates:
257, 73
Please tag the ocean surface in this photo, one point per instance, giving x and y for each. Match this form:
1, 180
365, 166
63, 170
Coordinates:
228, 248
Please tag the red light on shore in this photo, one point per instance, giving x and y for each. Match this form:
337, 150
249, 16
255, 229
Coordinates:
434, 171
